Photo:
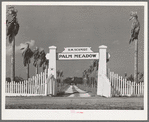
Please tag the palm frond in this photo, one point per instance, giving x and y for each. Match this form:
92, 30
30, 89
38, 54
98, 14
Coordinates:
27, 55
12, 25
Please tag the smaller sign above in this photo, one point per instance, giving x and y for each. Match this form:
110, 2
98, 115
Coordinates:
77, 49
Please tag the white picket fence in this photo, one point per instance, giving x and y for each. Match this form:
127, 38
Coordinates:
35, 86
121, 87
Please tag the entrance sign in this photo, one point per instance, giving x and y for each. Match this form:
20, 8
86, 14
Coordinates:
77, 56
77, 49
78, 53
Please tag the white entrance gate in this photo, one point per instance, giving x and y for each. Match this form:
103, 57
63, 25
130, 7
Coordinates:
80, 53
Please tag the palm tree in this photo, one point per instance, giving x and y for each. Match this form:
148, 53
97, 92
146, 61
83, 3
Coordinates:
91, 69
42, 58
85, 78
12, 28
61, 77
46, 64
135, 28
95, 65
36, 58
58, 75
27, 55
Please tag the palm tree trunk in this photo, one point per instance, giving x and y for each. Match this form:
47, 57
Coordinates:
43, 67
13, 59
136, 62
27, 71
36, 69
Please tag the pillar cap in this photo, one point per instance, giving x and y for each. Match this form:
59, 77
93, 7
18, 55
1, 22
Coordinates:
102, 47
52, 47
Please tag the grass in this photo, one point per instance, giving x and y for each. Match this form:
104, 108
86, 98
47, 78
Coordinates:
61, 101
95, 103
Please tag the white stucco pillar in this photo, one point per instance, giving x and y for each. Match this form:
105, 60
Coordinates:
52, 69
103, 84
102, 60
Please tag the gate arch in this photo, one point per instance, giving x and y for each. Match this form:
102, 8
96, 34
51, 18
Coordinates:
80, 53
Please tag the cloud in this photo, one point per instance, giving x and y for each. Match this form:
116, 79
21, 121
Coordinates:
17, 48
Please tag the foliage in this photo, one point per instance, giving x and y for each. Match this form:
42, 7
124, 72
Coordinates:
36, 55
12, 25
68, 80
74, 80
135, 28
27, 55
140, 77
17, 79
130, 78
42, 57
59, 76
8, 79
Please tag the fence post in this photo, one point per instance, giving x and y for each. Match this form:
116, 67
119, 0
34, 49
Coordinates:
45, 81
125, 87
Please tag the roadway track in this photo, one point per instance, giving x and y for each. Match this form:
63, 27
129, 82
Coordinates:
74, 91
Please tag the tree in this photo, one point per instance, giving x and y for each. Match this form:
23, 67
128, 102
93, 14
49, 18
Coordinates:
46, 64
36, 56
140, 77
58, 74
135, 28
61, 77
8, 79
12, 28
130, 78
85, 77
42, 57
27, 55
18, 79
90, 71
95, 72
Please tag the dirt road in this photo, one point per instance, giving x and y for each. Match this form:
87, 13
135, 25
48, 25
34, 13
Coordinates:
74, 91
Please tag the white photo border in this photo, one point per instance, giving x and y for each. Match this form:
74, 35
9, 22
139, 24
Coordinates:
38, 114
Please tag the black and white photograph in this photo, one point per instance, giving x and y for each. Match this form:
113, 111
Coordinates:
74, 60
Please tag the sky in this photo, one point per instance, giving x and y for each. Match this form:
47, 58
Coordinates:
78, 26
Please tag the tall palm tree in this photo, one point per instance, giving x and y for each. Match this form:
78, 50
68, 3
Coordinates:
12, 28
27, 55
42, 57
36, 56
135, 28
